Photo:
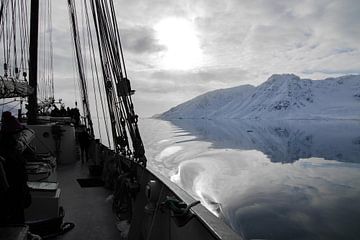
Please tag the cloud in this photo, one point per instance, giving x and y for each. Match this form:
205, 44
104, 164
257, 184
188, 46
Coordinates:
140, 40
276, 37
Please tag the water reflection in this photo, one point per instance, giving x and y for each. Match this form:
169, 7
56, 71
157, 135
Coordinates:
274, 180
282, 141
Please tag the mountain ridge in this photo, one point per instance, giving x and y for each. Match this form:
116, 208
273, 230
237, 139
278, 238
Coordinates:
282, 96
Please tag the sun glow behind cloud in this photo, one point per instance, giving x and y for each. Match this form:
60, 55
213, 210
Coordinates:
183, 50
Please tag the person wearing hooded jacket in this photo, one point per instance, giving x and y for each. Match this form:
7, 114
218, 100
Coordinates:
16, 195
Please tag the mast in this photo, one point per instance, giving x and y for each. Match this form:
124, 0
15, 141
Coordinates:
33, 51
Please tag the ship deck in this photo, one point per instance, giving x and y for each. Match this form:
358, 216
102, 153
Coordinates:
87, 208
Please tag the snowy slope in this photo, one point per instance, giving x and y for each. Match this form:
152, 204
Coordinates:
206, 105
283, 96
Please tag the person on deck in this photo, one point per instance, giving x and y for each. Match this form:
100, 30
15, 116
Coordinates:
15, 197
55, 112
62, 111
84, 142
9, 124
68, 112
75, 115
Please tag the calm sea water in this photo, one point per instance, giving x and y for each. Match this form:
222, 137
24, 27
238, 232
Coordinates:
267, 180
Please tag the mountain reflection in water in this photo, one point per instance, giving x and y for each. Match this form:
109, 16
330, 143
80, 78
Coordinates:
268, 180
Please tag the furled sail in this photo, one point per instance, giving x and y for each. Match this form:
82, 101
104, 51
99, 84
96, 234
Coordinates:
11, 87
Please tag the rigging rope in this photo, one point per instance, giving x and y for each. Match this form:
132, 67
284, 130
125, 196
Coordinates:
14, 37
46, 73
117, 84
93, 66
119, 133
105, 54
80, 63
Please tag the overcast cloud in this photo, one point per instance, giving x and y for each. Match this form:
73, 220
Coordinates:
241, 42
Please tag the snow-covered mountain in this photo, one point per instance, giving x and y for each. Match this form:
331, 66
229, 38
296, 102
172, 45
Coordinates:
283, 96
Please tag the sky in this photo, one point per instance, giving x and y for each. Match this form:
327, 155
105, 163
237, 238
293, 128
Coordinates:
176, 50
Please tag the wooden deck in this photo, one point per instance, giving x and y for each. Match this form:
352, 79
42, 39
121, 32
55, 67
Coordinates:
87, 208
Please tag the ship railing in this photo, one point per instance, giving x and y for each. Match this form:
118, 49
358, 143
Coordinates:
147, 193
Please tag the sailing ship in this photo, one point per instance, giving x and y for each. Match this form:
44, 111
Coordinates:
146, 204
